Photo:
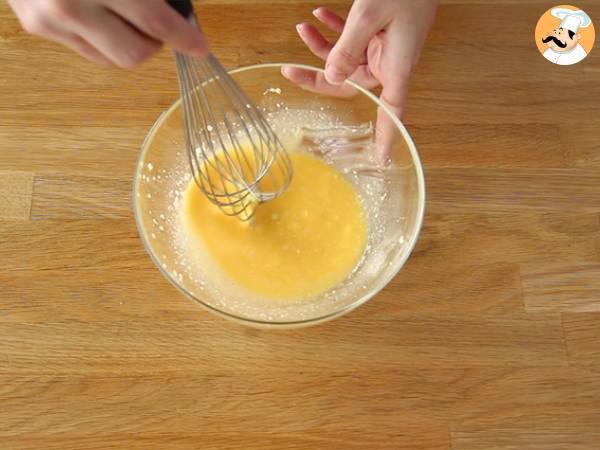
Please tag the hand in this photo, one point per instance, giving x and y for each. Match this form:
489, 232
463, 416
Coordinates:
380, 43
119, 32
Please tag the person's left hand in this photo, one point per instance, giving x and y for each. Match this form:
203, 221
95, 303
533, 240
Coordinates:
380, 43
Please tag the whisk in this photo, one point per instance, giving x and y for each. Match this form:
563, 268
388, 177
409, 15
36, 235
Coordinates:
236, 158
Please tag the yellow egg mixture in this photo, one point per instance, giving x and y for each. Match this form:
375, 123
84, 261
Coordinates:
299, 245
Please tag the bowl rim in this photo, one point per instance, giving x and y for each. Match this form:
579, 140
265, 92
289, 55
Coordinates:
292, 323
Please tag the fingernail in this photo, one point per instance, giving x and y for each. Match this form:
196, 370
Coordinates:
334, 76
285, 71
316, 12
299, 28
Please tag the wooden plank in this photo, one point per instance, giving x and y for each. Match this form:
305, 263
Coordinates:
157, 74
557, 287
532, 399
66, 196
512, 190
466, 58
92, 294
65, 245
584, 436
72, 149
473, 400
490, 290
582, 335
581, 143
278, 53
273, 26
426, 439
127, 405
455, 240
591, 65
488, 146
135, 346
15, 194
451, 19
37, 296
97, 97
484, 20
501, 101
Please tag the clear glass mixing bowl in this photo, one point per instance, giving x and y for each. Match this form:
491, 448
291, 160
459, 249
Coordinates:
339, 130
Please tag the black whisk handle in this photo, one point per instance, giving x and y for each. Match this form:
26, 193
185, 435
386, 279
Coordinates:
183, 7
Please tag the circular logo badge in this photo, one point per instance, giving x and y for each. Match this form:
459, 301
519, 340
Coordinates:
565, 35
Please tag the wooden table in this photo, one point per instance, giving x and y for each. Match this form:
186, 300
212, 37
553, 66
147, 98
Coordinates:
489, 338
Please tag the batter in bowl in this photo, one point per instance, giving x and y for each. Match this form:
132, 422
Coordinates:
299, 245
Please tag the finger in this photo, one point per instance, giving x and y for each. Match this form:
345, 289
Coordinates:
386, 133
363, 77
393, 95
82, 47
314, 40
314, 81
118, 41
330, 19
363, 23
321, 47
160, 21
57, 31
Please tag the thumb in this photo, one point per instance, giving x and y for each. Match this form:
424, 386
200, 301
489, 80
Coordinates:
364, 22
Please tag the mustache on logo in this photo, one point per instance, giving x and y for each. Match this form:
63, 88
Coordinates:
555, 40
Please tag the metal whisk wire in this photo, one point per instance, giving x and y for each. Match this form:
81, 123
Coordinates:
236, 158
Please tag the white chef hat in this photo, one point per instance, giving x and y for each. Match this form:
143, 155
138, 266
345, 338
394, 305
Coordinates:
571, 19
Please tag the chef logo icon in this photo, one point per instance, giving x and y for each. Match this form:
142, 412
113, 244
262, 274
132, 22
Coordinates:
565, 35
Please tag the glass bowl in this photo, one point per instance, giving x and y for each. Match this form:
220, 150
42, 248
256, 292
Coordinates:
345, 131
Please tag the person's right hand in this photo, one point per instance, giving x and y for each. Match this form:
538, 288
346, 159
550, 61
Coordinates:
111, 32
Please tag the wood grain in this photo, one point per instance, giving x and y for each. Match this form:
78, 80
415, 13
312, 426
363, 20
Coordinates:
69, 196
592, 67
538, 190
260, 440
493, 289
546, 438
457, 240
16, 193
489, 146
86, 149
422, 341
581, 144
70, 244
552, 397
561, 287
532, 101
488, 338
582, 334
